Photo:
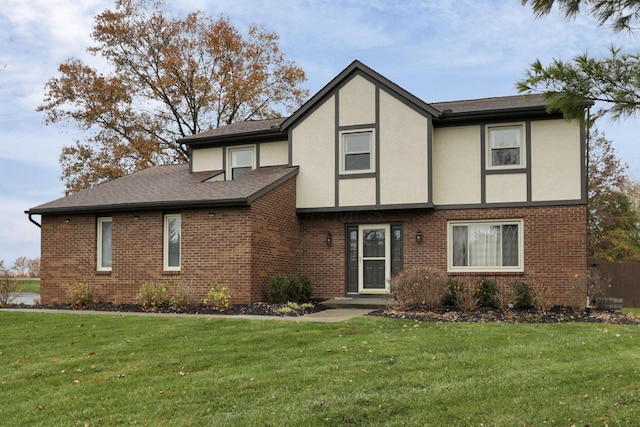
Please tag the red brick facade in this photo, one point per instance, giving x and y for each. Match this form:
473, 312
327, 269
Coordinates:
238, 247
554, 246
243, 247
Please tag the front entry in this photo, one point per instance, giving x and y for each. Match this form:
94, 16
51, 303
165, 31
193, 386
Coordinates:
374, 264
374, 253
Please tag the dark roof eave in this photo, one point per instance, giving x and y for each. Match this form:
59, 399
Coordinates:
244, 201
274, 134
448, 118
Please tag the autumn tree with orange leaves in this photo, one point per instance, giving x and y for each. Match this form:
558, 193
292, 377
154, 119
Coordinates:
614, 204
168, 78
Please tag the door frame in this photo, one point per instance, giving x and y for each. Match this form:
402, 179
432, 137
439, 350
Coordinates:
387, 258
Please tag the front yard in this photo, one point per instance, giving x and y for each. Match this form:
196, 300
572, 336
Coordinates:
67, 369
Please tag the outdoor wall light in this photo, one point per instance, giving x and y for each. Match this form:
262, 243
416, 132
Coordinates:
67, 220
137, 217
328, 238
211, 214
419, 236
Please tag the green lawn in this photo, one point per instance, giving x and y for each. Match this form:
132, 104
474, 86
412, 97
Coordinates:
66, 369
29, 285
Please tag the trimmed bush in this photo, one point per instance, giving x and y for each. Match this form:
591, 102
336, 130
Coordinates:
487, 293
523, 296
420, 287
291, 288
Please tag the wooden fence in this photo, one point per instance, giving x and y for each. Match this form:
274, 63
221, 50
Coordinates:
624, 278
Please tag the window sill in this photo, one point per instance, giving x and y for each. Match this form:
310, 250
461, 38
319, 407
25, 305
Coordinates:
171, 272
485, 272
103, 272
355, 175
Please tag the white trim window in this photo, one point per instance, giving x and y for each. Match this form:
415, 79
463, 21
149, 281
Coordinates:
172, 242
104, 238
505, 147
357, 153
485, 245
242, 160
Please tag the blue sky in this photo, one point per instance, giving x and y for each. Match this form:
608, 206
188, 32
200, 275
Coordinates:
439, 50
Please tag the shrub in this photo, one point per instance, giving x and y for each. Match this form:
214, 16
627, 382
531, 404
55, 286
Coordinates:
505, 297
420, 287
523, 296
487, 293
218, 297
291, 288
278, 289
467, 299
81, 294
153, 295
182, 297
8, 285
450, 298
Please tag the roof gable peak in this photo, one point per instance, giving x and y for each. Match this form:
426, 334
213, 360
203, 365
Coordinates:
358, 68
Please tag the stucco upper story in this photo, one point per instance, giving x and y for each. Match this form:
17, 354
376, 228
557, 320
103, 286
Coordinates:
364, 143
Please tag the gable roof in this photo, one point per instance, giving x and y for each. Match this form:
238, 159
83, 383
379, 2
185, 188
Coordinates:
355, 68
171, 186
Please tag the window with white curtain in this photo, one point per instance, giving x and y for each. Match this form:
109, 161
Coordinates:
485, 246
172, 238
105, 226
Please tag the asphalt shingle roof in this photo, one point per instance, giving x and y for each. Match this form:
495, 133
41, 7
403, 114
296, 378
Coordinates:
516, 102
170, 186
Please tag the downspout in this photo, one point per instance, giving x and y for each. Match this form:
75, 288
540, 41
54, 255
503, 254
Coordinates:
32, 220
587, 178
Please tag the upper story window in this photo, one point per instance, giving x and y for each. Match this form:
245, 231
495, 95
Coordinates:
357, 152
505, 147
172, 240
104, 243
242, 160
485, 245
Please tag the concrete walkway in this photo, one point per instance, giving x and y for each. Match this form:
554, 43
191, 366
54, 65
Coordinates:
331, 315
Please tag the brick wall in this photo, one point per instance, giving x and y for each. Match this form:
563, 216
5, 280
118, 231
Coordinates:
275, 237
554, 246
238, 247
213, 250
243, 247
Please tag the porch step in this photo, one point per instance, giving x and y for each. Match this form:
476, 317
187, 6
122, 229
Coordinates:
373, 303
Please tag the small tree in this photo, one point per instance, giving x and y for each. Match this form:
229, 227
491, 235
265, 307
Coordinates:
21, 266
8, 285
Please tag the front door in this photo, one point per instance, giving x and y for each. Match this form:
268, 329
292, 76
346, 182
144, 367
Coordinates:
374, 262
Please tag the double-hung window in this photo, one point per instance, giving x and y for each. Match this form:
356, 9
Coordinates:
485, 245
241, 160
105, 226
505, 149
172, 240
357, 152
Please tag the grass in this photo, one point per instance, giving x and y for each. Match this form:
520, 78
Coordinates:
68, 369
631, 311
29, 285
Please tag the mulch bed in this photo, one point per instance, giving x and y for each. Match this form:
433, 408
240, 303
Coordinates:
259, 309
482, 315
485, 315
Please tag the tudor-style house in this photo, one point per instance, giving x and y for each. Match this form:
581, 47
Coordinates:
365, 179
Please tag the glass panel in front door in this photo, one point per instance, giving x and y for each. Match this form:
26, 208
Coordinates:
375, 258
